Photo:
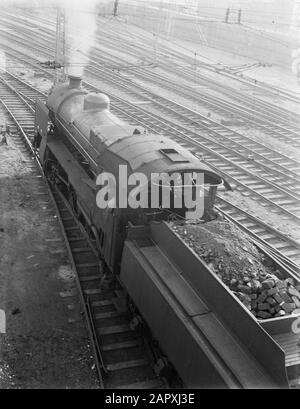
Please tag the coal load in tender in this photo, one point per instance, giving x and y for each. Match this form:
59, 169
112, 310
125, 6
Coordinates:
242, 267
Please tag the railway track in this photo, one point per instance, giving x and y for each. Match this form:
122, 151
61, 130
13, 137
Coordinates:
189, 57
244, 180
285, 130
282, 169
104, 303
282, 133
144, 46
261, 108
46, 23
122, 355
287, 248
164, 54
193, 118
274, 121
288, 163
232, 167
259, 230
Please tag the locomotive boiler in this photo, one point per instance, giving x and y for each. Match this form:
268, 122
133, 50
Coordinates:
208, 335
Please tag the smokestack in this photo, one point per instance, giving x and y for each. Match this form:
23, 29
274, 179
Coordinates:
75, 82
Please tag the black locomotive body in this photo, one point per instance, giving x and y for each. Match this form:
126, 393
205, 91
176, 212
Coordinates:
86, 140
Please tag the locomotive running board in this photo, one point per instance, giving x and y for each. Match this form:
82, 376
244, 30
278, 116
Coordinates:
208, 335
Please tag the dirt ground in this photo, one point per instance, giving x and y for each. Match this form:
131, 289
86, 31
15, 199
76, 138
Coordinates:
46, 343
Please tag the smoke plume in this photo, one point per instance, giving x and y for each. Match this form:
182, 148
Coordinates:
80, 33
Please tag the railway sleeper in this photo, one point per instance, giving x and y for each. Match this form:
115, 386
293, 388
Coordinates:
134, 373
123, 345
127, 364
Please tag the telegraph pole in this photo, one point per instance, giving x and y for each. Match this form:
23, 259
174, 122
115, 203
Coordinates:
239, 16
60, 45
116, 4
227, 15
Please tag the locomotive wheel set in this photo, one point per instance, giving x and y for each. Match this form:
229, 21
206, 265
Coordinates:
205, 332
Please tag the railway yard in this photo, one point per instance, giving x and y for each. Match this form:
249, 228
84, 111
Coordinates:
69, 325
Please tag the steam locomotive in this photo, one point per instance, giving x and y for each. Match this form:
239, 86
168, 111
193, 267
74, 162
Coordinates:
208, 334
88, 140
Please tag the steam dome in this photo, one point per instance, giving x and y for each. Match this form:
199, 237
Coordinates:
96, 102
